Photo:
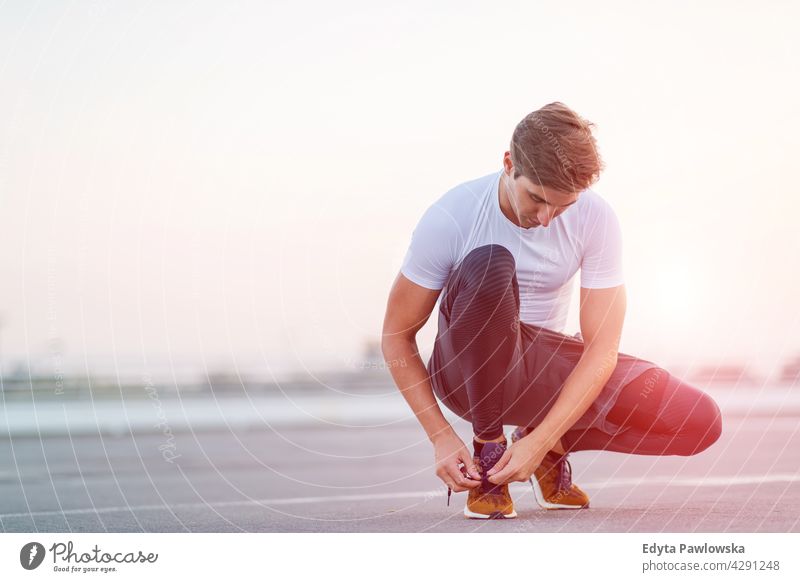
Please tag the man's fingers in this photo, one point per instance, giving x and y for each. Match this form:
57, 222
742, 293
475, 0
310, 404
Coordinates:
502, 476
458, 488
500, 464
460, 479
469, 466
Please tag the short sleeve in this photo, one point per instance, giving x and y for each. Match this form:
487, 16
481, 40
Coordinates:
433, 249
601, 265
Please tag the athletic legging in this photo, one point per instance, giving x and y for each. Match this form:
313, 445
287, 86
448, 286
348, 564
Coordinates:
662, 415
662, 418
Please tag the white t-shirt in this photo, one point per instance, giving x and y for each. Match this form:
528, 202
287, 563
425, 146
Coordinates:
585, 236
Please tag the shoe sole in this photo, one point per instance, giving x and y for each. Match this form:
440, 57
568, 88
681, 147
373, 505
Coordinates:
539, 496
544, 504
495, 515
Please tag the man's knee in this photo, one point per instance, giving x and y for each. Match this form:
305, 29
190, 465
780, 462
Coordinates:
493, 258
706, 423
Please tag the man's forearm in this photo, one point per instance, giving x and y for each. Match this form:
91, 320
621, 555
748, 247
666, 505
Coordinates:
415, 386
581, 388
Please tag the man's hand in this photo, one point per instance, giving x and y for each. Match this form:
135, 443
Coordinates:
519, 461
450, 452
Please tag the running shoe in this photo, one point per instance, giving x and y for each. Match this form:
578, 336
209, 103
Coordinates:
552, 480
489, 501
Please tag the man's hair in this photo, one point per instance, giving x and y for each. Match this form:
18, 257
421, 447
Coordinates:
554, 147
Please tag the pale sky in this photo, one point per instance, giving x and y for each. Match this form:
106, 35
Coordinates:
206, 184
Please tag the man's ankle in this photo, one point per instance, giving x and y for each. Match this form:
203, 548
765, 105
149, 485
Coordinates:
559, 448
499, 439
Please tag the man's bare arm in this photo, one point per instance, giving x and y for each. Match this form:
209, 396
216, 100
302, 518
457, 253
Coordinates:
408, 308
602, 315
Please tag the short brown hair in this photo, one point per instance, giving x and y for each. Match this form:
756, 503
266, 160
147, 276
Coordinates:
554, 147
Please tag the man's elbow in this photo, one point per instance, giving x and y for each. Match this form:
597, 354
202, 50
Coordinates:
387, 345
392, 342
606, 353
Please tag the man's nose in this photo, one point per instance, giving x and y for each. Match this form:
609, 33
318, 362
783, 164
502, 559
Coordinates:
544, 216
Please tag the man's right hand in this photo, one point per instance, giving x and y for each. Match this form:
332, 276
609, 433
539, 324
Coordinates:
450, 452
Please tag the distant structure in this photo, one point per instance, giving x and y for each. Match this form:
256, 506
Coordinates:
724, 374
791, 370
372, 355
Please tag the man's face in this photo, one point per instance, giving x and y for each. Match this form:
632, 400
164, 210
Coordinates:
533, 204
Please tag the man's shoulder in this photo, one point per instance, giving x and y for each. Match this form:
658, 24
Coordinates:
443, 230
592, 210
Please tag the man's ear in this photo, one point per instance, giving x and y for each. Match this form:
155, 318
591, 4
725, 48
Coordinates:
507, 162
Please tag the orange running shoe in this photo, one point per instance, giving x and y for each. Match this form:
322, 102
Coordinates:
489, 501
552, 480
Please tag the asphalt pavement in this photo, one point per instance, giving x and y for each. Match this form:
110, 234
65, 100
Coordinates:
338, 478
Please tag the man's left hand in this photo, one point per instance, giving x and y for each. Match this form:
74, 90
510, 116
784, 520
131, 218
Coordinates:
519, 461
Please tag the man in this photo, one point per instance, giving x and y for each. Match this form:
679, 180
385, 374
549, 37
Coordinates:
504, 248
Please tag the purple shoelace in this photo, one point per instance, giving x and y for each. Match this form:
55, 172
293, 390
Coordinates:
563, 471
